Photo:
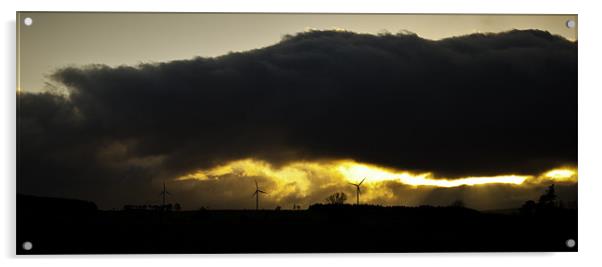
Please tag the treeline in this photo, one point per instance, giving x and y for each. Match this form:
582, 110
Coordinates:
548, 204
166, 207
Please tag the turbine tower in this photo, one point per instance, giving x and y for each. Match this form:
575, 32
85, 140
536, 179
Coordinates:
256, 195
357, 190
163, 193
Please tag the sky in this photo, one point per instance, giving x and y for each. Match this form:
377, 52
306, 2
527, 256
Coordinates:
62, 39
429, 109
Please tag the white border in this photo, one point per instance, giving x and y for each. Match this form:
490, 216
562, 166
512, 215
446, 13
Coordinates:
590, 132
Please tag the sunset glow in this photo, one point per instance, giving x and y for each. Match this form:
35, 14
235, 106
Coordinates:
301, 173
562, 175
355, 171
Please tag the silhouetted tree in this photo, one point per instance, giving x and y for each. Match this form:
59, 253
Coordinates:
337, 198
548, 202
177, 207
549, 199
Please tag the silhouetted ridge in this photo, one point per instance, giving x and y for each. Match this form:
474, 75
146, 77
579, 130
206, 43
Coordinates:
35, 204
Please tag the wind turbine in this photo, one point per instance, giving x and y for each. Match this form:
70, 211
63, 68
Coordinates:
256, 195
357, 190
163, 193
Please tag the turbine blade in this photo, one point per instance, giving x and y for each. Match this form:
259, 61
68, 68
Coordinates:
262, 191
256, 185
361, 181
254, 194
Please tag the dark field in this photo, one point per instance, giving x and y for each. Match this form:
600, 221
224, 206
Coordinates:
76, 227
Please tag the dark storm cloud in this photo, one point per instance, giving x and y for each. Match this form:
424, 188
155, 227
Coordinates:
479, 104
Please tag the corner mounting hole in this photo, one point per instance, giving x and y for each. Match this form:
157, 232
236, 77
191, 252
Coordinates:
570, 243
28, 21
570, 24
27, 245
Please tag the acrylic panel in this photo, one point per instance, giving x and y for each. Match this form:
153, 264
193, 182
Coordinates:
294, 133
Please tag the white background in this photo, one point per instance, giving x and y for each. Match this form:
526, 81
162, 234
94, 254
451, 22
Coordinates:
590, 157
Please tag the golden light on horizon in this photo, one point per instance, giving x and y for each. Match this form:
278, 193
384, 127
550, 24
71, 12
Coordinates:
357, 171
562, 175
303, 173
